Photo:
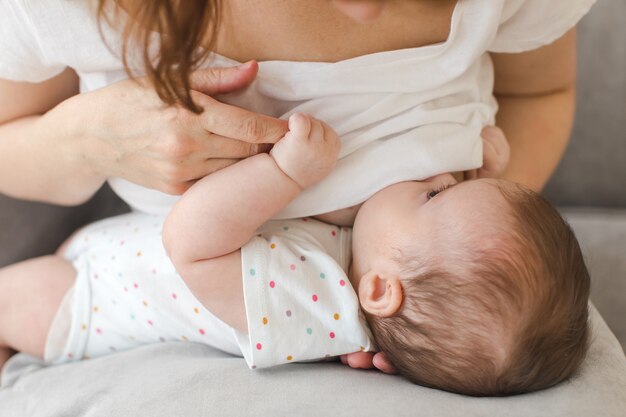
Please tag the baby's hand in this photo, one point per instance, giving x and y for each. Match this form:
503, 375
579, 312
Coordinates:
369, 360
308, 152
496, 155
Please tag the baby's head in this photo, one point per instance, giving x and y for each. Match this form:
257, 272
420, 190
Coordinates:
481, 289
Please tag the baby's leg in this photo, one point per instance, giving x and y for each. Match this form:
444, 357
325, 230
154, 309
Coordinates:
30, 294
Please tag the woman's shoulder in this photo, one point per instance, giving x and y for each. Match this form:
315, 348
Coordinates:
40, 38
529, 24
47, 13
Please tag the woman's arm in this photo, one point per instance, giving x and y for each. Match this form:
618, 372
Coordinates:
59, 147
536, 94
33, 162
19, 99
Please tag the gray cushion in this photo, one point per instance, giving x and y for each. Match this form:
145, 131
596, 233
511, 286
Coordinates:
141, 382
185, 379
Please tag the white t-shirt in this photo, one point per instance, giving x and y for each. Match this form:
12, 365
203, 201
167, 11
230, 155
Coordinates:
402, 115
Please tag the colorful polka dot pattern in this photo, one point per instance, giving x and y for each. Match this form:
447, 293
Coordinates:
291, 266
136, 295
138, 298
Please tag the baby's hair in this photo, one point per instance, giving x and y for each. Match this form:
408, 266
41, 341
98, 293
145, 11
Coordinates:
503, 311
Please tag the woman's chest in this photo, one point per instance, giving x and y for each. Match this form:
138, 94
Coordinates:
314, 30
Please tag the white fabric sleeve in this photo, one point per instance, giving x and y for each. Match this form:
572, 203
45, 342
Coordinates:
22, 56
300, 305
530, 24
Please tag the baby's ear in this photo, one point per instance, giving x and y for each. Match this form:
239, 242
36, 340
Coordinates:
380, 294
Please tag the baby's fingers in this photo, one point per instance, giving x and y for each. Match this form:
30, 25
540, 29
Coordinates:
317, 130
358, 360
381, 362
300, 125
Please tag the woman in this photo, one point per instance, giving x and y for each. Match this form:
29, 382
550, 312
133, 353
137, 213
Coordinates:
58, 146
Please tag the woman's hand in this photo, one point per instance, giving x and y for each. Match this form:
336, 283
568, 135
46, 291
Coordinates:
125, 131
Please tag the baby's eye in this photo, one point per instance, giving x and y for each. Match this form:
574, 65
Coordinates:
440, 188
433, 193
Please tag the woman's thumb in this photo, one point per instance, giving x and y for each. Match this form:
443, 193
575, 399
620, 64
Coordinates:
212, 81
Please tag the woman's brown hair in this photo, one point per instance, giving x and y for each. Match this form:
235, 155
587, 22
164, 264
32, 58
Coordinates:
182, 26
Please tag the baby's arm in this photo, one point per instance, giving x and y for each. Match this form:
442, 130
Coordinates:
220, 213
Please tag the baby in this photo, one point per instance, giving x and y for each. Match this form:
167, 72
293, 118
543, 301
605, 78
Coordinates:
479, 289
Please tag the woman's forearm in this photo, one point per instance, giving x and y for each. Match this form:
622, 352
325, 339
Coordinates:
125, 131
538, 128
38, 163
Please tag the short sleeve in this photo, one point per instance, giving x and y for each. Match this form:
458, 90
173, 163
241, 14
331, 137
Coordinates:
529, 24
300, 305
22, 57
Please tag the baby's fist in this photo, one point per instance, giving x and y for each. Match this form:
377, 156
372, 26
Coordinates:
496, 155
308, 152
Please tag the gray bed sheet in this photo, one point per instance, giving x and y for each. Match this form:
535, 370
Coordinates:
186, 379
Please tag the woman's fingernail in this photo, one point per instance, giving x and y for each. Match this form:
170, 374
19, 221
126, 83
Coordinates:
246, 66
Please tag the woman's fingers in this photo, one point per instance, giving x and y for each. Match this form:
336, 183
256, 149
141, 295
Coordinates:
231, 121
217, 146
237, 123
